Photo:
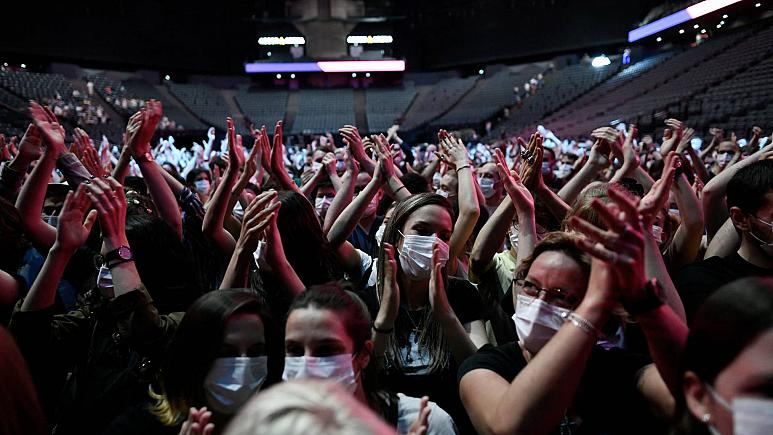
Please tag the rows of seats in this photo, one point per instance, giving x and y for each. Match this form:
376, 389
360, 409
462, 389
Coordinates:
204, 101
11, 100
37, 86
115, 93
560, 87
433, 101
488, 97
145, 91
384, 106
263, 107
323, 110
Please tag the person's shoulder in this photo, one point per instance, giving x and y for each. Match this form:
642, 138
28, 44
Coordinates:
408, 409
465, 300
505, 360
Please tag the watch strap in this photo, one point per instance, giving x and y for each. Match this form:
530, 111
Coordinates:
115, 255
651, 299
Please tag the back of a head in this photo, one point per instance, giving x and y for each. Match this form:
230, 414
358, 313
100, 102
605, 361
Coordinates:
306, 407
748, 187
415, 183
726, 323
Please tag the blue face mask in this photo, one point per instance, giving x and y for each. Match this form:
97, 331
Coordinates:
232, 381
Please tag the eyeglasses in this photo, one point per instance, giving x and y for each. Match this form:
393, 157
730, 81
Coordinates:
556, 296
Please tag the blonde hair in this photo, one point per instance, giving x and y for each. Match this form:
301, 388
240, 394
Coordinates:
301, 407
162, 409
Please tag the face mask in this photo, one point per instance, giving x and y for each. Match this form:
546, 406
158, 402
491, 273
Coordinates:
442, 193
724, 158
436, 180
563, 170
514, 231
202, 186
380, 233
336, 368
232, 381
105, 280
536, 322
321, 204
487, 187
657, 233
340, 165
751, 415
767, 247
416, 255
372, 206
545, 167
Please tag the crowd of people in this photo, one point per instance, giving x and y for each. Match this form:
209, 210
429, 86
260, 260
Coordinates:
349, 284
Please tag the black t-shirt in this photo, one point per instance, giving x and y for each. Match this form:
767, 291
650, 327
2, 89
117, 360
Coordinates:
607, 401
365, 241
697, 281
414, 379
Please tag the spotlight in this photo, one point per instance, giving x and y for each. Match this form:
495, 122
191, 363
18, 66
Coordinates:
268, 54
367, 74
480, 71
23, 65
719, 26
757, 5
724, 16
681, 31
600, 61
292, 76
354, 75
703, 30
659, 39
279, 76
167, 78
695, 26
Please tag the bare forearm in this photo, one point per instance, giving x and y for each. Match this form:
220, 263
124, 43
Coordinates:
215, 216
237, 272
338, 206
697, 164
654, 266
554, 203
492, 235
42, 294
121, 169
666, 334
687, 240
162, 195
574, 186
308, 188
468, 214
30, 204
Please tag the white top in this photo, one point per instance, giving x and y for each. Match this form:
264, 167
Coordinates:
440, 423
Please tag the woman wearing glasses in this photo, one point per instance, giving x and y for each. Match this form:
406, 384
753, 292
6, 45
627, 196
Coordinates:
558, 377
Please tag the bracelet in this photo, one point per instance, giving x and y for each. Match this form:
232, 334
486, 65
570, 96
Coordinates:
462, 167
382, 331
401, 187
118, 263
582, 323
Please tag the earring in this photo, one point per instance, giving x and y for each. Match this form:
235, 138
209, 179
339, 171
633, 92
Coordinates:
706, 417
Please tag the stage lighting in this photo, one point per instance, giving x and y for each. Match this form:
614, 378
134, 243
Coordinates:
278, 76
367, 74
659, 39
600, 61
167, 78
23, 65
354, 75
292, 76
681, 31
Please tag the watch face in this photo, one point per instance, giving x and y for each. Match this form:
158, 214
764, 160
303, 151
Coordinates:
125, 253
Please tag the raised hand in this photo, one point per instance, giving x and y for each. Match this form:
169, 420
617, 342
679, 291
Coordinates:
351, 137
49, 129
390, 294
386, 163
677, 128
151, 115
621, 244
266, 149
86, 153
656, 198
29, 147
518, 193
686, 141
73, 230
531, 171
438, 299
211, 133
198, 423
453, 153
421, 425
329, 163
257, 218
251, 164
235, 150
5, 152
108, 197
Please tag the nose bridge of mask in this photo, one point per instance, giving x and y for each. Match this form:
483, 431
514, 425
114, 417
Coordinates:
328, 367
423, 245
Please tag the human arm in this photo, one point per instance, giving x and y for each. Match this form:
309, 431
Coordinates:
277, 160
217, 207
308, 188
251, 166
257, 217
121, 169
139, 145
596, 162
532, 179
687, 239
351, 137
14, 170
75, 222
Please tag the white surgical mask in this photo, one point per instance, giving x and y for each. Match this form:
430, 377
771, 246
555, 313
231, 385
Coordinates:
380, 233
487, 187
545, 167
416, 255
751, 415
442, 193
202, 186
336, 368
767, 247
537, 321
232, 381
514, 232
564, 169
724, 158
321, 204
436, 180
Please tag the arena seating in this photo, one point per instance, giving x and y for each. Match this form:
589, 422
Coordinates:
144, 90
262, 107
384, 106
203, 100
323, 110
488, 96
433, 101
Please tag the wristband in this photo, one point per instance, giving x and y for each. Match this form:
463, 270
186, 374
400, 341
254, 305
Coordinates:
401, 187
462, 167
118, 263
652, 298
582, 323
382, 331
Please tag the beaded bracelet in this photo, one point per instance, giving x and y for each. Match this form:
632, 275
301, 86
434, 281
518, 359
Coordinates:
582, 323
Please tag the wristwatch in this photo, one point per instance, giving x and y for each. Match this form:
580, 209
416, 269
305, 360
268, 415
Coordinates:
146, 157
117, 256
651, 299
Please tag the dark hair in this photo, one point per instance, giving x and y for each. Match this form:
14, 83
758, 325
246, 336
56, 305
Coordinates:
304, 243
190, 179
748, 187
11, 237
727, 322
338, 297
136, 184
20, 411
431, 337
556, 242
415, 183
196, 344
162, 262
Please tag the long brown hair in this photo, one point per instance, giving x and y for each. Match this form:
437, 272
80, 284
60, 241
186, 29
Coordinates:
431, 336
